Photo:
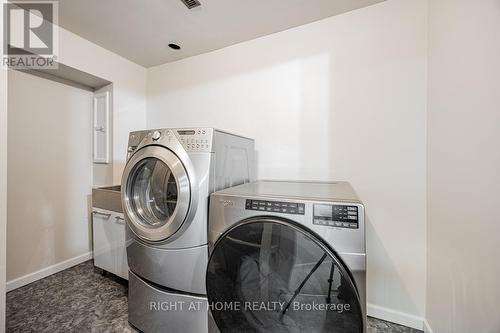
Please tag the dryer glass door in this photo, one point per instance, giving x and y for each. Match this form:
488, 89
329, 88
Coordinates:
156, 193
153, 192
272, 276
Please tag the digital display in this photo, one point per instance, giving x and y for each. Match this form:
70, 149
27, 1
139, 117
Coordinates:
187, 132
340, 216
323, 210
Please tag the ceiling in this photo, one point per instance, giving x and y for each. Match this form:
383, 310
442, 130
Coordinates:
141, 30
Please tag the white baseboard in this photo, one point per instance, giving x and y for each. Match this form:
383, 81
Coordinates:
427, 327
44, 272
396, 317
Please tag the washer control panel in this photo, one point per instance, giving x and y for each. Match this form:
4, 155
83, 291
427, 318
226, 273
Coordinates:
276, 206
340, 216
196, 139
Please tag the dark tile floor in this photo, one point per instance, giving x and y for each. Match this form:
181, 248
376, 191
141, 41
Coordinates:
80, 299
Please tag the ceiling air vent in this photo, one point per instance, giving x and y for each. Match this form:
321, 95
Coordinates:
190, 4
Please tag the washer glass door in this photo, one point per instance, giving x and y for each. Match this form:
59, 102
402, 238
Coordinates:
156, 193
268, 275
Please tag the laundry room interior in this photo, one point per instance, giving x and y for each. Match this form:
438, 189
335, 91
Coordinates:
250, 166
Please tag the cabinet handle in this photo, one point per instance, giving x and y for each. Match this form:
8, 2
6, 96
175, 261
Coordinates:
120, 220
102, 214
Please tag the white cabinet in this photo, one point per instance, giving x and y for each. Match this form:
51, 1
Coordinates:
109, 242
101, 127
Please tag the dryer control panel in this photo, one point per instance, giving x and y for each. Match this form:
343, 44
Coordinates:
340, 216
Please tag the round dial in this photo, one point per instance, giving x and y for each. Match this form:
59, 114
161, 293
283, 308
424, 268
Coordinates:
156, 135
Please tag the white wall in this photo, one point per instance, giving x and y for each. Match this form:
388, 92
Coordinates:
129, 107
3, 179
342, 98
50, 173
129, 88
3, 189
464, 163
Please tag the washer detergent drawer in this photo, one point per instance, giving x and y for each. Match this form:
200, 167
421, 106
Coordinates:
181, 269
154, 310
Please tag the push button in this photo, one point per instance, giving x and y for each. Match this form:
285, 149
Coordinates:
275, 206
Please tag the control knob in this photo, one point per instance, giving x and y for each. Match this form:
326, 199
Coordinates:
156, 135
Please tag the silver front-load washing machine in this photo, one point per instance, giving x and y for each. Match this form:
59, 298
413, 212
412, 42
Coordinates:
287, 257
166, 184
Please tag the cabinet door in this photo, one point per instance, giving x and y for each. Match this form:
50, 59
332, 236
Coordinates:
101, 127
120, 247
104, 256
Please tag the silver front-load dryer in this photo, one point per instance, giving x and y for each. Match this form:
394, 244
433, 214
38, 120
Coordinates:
287, 257
166, 184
